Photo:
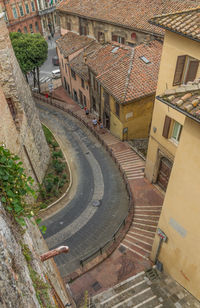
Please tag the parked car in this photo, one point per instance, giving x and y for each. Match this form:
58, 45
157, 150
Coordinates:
55, 61
56, 74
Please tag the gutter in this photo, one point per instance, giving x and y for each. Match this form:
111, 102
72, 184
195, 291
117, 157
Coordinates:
178, 109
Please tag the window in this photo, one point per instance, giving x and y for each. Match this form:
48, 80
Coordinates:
33, 6
19, 30
44, 23
21, 10
25, 30
84, 100
101, 36
36, 26
66, 67
27, 8
186, 70
82, 83
68, 26
31, 28
14, 12
83, 30
55, 18
73, 74
176, 131
94, 103
118, 39
117, 109
106, 98
171, 129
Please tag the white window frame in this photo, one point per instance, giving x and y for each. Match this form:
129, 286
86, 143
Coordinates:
21, 8
33, 6
14, 9
177, 137
26, 5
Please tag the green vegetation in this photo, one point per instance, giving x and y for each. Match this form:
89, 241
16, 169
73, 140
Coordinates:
41, 288
15, 187
56, 179
31, 52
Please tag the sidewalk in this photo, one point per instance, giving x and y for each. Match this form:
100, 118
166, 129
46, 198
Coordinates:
132, 255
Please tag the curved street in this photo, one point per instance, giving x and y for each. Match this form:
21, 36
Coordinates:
79, 224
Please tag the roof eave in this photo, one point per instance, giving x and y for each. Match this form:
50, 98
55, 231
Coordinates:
112, 23
178, 109
177, 32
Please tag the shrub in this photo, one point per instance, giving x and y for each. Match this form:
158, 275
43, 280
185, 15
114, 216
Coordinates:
58, 166
57, 154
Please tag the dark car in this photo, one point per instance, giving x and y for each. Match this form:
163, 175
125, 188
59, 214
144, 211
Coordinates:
55, 60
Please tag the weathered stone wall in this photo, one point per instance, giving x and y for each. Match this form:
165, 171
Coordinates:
31, 145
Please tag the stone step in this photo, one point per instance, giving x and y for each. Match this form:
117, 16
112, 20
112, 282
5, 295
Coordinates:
151, 302
137, 248
145, 227
140, 231
147, 212
141, 237
143, 243
119, 288
146, 221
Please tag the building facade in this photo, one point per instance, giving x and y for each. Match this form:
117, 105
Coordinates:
21, 16
179, 65
125, 23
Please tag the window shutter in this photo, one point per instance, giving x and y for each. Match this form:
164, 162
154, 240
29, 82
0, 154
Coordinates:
166, 127
179, 70
192, 71
114, 38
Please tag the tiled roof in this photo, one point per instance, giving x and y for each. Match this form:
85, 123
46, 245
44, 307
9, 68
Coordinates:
106, 56
78, 63
185, 23
131, 78
129, 13
72, 42
185, 99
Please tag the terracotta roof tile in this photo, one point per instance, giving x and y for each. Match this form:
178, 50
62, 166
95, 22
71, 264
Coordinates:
185, 23
78, 63
72, 42
131, 78
129, 13
185, 99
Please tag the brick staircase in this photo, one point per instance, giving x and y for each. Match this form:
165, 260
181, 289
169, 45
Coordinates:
134, 292
139, 238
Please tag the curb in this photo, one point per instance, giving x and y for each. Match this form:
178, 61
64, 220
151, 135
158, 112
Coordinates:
70, 174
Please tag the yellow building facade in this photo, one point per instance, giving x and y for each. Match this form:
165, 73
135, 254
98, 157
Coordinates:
174, 46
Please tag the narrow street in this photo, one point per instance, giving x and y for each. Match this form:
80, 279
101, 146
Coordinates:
80, 225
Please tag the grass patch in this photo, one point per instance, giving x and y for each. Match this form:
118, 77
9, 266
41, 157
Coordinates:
57, 176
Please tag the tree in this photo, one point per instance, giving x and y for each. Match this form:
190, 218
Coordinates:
31, 52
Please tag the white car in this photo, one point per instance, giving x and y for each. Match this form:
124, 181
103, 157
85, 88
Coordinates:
56, 74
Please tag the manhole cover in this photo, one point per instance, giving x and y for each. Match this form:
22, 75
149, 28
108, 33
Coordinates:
96, 203
122, 249
96, 286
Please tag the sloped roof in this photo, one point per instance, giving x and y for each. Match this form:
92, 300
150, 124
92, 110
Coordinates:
72, 42
133, 14
78, 63
135, 75
185, 23
185, 99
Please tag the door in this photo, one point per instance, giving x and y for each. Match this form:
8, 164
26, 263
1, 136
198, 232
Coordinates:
164, 173
106, 120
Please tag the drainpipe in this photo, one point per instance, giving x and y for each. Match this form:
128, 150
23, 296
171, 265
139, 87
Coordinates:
163, 238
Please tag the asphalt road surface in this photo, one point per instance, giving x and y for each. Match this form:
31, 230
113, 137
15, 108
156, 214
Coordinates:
79, 224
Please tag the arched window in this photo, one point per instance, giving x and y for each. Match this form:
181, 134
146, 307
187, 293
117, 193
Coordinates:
25, 30
19, 30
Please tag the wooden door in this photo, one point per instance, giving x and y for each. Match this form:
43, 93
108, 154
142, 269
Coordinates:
164, 173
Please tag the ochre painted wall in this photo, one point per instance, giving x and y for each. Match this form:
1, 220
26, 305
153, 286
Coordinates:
174, 46
180, 218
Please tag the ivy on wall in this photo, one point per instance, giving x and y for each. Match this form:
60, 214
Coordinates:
15, 187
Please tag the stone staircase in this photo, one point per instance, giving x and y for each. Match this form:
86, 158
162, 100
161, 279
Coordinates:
134, 292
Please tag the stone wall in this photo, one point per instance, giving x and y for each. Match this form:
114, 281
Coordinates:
20, 111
